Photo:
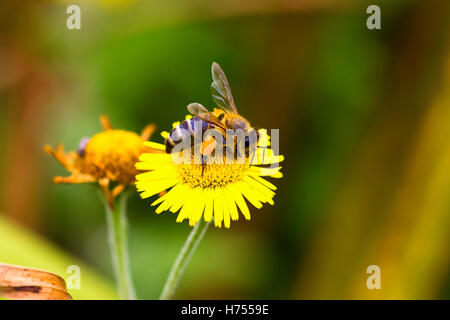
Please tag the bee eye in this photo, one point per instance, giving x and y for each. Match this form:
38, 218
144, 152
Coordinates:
220, 117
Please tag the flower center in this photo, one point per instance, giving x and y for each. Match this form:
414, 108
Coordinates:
211, 176
113, 151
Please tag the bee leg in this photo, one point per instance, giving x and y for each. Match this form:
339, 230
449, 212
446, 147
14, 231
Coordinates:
203, 166
208, 146
106, 124
148, 131
104, 185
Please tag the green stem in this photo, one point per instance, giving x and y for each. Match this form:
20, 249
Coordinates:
183, 258
117, 234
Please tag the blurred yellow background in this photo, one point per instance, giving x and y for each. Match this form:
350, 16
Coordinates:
364, 119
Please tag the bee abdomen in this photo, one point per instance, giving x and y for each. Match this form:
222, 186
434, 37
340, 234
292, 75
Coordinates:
185, 130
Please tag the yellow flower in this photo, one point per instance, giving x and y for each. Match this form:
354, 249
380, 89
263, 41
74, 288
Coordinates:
108, 158
214, 191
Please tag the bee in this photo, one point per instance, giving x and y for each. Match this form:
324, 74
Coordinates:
186, 131
222, 118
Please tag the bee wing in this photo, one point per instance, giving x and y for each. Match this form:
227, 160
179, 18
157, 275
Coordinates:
199, 111
221, 91
196, 109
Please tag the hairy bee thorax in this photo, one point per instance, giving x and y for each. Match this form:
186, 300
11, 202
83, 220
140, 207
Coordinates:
231, 120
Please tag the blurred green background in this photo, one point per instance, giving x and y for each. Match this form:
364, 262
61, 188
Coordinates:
364, 118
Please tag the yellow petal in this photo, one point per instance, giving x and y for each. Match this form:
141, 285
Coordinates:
250, 195
157, 175
176, 124
259, 171
226, 212
200, 198
155, 145
209, 205
164, 134
239, 199
154, 157
258, 187
231, 204
218, 208
154, 188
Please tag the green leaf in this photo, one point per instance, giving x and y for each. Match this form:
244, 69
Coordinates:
23, 247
